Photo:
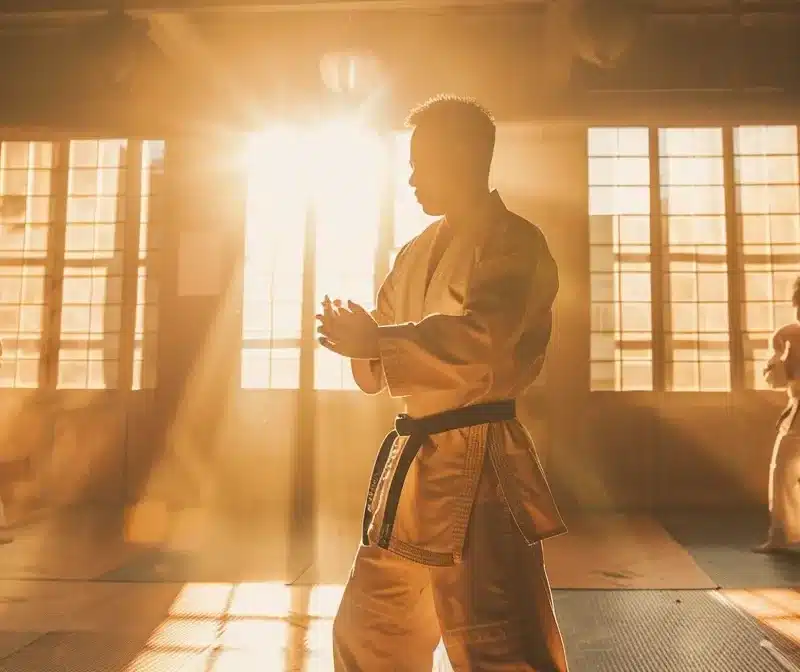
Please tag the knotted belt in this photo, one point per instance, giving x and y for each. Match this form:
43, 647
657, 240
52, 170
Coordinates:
417, 430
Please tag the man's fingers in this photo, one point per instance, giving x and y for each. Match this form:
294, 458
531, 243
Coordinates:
325, 323
326, 331
330, 345
355, 307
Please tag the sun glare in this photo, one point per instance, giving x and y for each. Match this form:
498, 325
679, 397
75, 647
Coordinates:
333, 172
269, 626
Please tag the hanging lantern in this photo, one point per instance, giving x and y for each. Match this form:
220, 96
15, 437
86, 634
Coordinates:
604, 30
349, 72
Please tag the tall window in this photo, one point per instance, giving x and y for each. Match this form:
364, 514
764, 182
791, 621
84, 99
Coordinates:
695, 262
297, 174
346, 203
619, 233
25, 214
768, 216
273, 268
146, 323
92, 300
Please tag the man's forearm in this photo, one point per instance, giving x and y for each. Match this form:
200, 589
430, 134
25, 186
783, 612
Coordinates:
368, 374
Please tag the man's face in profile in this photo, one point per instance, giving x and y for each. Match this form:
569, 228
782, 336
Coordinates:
434, 178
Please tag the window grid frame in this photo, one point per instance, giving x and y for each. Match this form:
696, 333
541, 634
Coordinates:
54, 260
773, 266
149, 270
44, 262
696, 337
56, 247
735, 262
121, 218
619, 332
657, 271
130, 263
735, 272
306, 342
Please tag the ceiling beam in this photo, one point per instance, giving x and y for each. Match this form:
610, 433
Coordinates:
25, 11
71, 8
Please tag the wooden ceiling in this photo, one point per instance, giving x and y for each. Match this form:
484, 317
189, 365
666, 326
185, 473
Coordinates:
22, 9
199, 55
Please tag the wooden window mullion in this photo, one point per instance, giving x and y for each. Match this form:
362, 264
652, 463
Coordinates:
54, 285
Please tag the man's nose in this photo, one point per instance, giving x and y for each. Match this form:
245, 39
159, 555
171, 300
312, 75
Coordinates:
412, 182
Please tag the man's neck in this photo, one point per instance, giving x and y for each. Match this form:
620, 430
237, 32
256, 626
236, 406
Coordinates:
474, 206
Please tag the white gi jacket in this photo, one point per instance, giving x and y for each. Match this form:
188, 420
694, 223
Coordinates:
478, 332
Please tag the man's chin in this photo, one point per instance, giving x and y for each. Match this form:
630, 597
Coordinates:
431, 209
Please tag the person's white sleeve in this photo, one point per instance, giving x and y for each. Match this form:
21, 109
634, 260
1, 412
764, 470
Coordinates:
509, 291
368, 373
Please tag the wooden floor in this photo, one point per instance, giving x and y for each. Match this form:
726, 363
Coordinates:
191, 591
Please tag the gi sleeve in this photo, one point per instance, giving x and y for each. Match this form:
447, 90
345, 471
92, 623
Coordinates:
368, 373
775, 370
510, 289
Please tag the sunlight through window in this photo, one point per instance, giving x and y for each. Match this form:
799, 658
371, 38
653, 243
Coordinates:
778, 609
335, 173
695, 262
619, 238
88, 356
146, 325
767, 195
347, 190
227, 627
273, 267
26, 170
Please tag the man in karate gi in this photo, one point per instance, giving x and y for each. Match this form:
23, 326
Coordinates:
458, 504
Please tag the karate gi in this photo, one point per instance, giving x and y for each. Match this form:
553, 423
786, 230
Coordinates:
784, 472
461, 323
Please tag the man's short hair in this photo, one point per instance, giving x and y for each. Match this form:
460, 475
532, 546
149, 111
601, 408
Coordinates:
461, 119
796, 292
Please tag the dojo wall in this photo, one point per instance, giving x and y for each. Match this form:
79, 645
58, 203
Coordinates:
298, 459
251, 449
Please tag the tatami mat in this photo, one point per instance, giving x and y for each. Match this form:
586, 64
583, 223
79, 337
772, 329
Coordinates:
75, 545
224, 627
601, 551
665, 631
721, 543
620, 552
629, 596
776, 609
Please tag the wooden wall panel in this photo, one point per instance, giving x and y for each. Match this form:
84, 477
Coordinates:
140, 445
236, 448
87, 459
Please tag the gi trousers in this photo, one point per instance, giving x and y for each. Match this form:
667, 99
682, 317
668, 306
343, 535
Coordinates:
784, 489
494, 610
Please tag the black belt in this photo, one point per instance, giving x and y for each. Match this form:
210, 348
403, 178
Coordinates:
417, 430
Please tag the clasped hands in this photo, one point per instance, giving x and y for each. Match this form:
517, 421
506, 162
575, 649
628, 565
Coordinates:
348, 331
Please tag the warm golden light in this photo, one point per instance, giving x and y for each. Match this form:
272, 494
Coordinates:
265, 625
619, 235
332, 172
776, 608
